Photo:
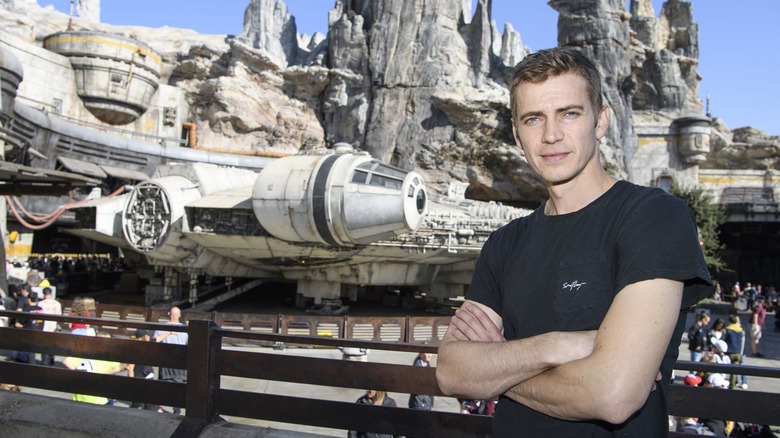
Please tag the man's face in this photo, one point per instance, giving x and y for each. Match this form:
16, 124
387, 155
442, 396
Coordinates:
558, 128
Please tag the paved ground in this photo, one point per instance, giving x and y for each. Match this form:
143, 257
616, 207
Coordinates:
770, 347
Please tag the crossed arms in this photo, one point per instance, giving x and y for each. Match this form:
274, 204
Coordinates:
605, 374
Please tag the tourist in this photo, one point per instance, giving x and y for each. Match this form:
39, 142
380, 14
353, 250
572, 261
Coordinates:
83, 307
420, 401
697, 340
373, 397
718, 294
719, 356
49, 306
750, 293
757, 319
29, 323
145, 372
735, 342
93, 366
172, 337
715, 331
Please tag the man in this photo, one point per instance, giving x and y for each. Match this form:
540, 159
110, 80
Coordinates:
757, 319
141, 371
173, 337
49, 306
697, 336
734, 338
571, 310
750, 293
30, 323
21, 300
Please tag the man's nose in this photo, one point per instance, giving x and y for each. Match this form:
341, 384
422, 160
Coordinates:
552, 131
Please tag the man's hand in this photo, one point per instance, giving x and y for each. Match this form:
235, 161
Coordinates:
471, 323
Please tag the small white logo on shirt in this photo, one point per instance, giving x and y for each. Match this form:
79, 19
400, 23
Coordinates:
573, 285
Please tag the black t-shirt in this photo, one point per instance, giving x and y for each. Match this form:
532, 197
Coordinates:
560, 273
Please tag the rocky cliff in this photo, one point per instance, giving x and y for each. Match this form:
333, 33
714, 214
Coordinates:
421, 84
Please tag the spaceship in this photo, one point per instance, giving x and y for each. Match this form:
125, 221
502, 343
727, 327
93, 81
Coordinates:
330, 220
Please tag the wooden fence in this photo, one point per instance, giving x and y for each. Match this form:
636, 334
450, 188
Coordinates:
405, 329
206, 361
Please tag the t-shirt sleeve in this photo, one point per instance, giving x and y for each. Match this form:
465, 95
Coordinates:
661, 241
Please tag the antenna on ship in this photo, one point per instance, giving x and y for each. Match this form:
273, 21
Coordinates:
70, 20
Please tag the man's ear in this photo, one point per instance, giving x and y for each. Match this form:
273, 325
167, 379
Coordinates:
602, 122
514, 134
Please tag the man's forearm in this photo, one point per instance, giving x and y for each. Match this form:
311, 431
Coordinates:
614, 382
568, 392
484, 370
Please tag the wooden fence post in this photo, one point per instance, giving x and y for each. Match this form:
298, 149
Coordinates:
203, 348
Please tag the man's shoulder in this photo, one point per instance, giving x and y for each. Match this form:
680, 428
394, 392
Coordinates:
652, 197
513, 228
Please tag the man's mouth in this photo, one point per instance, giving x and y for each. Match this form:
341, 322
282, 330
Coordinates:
553, 157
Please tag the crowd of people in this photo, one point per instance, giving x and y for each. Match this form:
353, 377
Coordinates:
84, 307
724, 341
749, 295
56, 268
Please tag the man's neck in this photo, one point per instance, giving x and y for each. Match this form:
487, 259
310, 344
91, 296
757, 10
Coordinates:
577, 193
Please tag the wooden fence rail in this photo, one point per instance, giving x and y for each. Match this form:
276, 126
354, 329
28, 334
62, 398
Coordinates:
405, 329
206, 360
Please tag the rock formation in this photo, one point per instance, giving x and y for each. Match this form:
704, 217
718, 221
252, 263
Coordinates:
420, 84
89, 10
601, 30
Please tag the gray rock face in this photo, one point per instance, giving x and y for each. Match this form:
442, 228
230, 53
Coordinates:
666, 56
420, 84
415, 85
600, 28
742, 148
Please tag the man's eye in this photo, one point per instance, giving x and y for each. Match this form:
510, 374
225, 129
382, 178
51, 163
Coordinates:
531, 120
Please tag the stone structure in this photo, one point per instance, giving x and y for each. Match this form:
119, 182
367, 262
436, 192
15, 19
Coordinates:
115, 76
419, 84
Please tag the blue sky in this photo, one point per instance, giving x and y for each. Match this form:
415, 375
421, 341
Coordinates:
739, 54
